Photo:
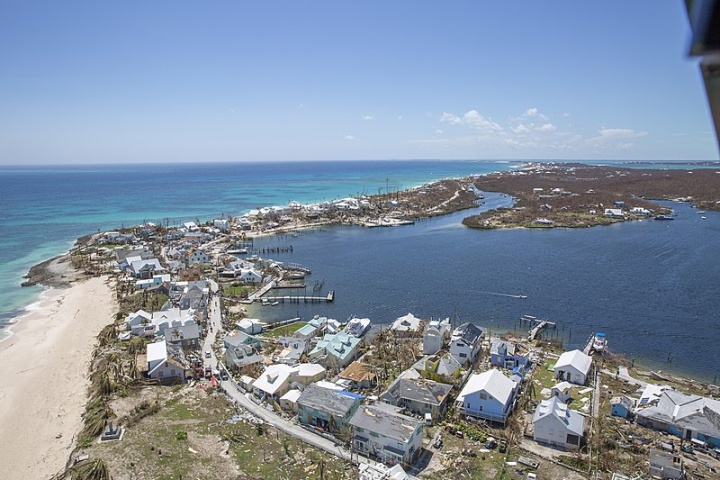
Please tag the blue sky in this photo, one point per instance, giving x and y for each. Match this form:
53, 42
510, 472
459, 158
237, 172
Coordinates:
181, 81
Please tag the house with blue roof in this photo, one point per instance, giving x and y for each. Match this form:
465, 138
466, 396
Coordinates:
336, 350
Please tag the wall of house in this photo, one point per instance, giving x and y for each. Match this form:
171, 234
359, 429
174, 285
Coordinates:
167, 371
377, 444
571, 375
487, 407
550, 430
431, 344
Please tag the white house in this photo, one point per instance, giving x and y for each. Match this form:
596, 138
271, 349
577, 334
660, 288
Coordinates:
466, 343
435, 336
273, 382
222, 224
251, 326
614, 213
153, 282
555, 424
145, 268
249, 275
380, 431
162, 366
562, 390
573, 366
406, 325
198, 257
137, 321
489, 395
640, 211
276, 380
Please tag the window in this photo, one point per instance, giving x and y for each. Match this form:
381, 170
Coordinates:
483, 396
463, 355
551, 432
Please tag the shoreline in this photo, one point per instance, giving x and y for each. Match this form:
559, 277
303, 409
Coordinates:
44, 379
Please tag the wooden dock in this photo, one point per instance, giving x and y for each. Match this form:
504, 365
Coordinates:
302, 298
297, 267
540, 325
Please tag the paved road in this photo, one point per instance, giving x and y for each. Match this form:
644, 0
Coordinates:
625, 375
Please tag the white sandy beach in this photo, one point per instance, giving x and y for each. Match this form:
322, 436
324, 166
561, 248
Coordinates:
43, 379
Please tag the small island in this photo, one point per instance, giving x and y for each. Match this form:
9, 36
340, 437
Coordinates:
578, 195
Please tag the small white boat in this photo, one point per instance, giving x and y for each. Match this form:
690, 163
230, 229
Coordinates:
599, 342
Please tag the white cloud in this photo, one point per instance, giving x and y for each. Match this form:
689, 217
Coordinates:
610, 134
438, 131
472, 119
534, 113
546, 127
520, 129
349, 137
368, 117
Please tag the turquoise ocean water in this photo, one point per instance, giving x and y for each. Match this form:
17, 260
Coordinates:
651, 286
44, 209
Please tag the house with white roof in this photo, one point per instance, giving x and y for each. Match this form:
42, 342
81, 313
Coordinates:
198, 257
555, 424
466, 343
137, 321
161, 365
288, 402
145, 269
273, 382
573, 366
379, 431
406, 326
489, 395
436, 367
562, 390
435, 336
153, 282
251, 326
172, 318
684, 415
278, 378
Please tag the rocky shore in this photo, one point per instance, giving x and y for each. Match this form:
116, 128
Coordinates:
58, 272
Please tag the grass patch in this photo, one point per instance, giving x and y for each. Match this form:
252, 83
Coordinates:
287, 330
188, 437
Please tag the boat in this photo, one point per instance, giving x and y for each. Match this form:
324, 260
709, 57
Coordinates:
599, 342
357, 327
237, 251
663, 217
275, 303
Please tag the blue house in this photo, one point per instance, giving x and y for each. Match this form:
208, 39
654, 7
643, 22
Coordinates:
622, 406
489, 395
505, 354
